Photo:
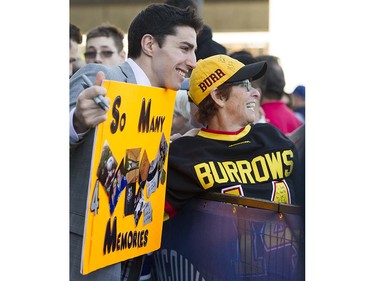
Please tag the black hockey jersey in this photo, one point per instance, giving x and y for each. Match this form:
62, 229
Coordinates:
257, 161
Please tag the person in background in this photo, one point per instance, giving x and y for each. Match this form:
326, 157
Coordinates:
193, 119
161, 44
206, 45
193, 124
181, 115
104, 45
75, 38
287, 99
272, 86
230, 154
298, 97
243, 56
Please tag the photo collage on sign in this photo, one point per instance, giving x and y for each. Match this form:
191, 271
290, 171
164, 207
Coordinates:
133, 176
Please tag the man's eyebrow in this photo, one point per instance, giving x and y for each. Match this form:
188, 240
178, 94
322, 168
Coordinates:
191, 46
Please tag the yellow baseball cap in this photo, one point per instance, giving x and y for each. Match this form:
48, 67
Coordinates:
213, 71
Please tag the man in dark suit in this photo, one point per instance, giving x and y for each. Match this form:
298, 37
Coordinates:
161, 44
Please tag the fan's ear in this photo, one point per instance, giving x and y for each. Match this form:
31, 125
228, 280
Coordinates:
217, 97
147, 43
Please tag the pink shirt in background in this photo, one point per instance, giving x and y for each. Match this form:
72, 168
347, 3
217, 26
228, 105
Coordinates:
280, 115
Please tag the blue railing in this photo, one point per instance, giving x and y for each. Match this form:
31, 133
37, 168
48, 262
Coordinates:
230, 238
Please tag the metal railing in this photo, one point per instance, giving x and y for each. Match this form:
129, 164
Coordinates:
225, 237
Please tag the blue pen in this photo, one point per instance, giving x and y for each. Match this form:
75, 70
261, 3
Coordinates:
99, 100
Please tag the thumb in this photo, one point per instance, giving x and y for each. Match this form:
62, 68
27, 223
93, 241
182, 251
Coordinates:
100, 76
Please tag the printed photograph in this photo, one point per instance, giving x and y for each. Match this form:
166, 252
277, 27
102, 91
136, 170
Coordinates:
107, 167
157, 174
132, 164
118, 185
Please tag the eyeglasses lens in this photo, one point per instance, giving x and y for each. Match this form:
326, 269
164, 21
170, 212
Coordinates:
102, 54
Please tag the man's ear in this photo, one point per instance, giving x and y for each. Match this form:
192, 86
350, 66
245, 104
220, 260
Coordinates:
147, 44
218, 99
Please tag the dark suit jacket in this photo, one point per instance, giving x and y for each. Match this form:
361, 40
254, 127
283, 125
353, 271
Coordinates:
80, 162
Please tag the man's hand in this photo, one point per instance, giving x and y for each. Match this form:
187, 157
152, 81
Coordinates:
87, 113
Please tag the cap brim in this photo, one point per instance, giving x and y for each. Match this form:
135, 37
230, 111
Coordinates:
252, 72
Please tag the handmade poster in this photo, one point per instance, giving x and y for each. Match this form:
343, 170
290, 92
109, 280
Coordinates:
125, 203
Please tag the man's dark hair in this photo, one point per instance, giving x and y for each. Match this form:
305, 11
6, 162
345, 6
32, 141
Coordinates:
75, 34
159, 20
206, 45
183, 4
108, 30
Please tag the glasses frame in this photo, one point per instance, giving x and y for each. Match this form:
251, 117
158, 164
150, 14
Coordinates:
103, 54
246, 83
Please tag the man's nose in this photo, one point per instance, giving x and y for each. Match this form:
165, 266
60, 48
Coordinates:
191, 61
98, 58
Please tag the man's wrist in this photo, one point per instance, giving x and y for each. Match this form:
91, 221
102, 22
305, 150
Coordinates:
74, 135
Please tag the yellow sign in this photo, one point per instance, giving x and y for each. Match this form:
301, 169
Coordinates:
125, 203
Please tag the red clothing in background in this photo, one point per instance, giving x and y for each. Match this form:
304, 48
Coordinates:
280, 115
